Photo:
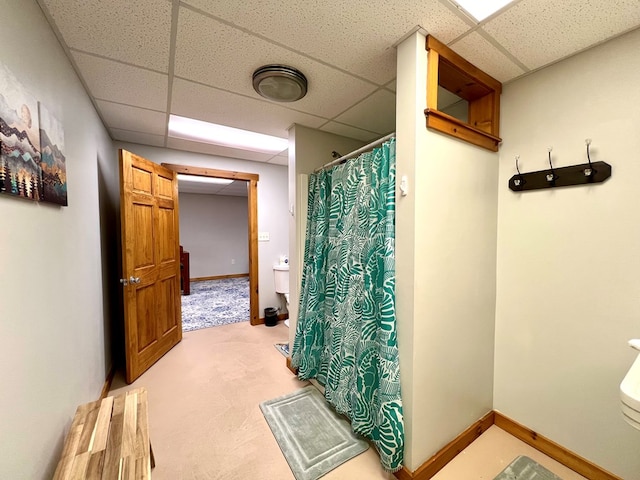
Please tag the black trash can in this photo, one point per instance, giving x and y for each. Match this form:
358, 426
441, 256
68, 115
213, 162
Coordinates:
270, 317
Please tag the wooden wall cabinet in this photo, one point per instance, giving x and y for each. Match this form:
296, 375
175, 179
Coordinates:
450, 71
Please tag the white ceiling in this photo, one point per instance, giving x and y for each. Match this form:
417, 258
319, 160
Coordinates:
145, 59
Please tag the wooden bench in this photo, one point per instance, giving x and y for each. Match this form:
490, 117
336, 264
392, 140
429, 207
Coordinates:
109, 440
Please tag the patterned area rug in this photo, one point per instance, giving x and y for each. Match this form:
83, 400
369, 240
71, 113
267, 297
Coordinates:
215, 302
312, 436
524, 468
283, 348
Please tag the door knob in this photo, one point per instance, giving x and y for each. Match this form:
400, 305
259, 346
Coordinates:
134, 280
124, 281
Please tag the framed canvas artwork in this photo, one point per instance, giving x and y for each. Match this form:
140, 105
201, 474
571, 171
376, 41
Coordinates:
20, 170
52, 162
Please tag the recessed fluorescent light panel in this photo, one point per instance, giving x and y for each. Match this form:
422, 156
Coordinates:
199, 131
481, 9
199, 179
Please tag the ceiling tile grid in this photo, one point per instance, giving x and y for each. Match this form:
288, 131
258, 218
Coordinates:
130, 118
120, 83
357, 37
219, 150
539, 32
348, 131
137, 137
237, 188
136, 32
376, 113
207, 189
281, 159
206, 49
218, 106
123, 52
487, 57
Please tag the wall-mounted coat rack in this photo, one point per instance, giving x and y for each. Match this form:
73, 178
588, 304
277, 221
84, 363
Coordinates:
583, 174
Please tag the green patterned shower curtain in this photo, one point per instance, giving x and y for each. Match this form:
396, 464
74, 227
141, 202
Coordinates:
346, 331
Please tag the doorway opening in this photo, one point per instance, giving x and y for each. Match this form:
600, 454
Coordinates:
252, 230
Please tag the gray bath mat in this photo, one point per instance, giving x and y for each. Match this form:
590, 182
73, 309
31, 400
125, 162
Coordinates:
312, 436
523, 468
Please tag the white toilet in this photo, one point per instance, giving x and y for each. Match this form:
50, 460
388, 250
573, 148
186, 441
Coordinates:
630, 391
281, 277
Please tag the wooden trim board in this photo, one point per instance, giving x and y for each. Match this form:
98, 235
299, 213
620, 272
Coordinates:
254, 304
293, 369
252, 205
219, 277
560, 454
107, 383
449, 451
211, 172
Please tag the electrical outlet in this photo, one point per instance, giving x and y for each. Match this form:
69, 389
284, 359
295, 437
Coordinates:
263, 236
233, 261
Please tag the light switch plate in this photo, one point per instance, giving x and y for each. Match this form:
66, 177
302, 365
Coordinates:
263, 236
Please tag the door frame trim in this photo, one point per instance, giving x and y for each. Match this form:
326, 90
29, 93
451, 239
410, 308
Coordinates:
252, 179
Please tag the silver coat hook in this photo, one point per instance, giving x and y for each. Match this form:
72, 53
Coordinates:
550, 176
588, 171
518, 181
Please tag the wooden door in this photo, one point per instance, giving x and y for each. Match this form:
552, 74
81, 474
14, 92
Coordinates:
150, 261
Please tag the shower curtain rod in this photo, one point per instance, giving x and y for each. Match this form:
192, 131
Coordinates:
355, 152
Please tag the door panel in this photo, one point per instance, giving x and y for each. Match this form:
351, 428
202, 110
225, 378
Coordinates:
167, 302
143, 240
150, 261
165, 187
144, 318
166, 249
142, 180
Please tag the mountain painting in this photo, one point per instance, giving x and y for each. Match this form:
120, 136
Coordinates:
52, 162
20, 170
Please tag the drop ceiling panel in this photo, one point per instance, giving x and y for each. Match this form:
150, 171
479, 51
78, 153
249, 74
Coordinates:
218, 106
120, 83
237, 188
213, 53
341, 34
376, 113
351, 132
135, 119
136, 32
487, 57
280, 160
219, 150
346, 49
137, 137
199, 187
538, 32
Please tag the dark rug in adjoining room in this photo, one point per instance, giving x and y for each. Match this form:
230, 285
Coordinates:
215, 302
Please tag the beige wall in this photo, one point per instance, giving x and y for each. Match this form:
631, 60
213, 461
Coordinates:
568, 264
446, 257
308, 149
52, 325
214, 229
